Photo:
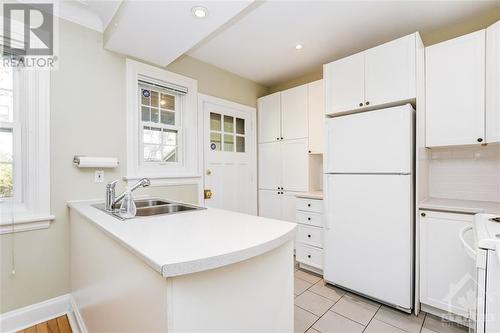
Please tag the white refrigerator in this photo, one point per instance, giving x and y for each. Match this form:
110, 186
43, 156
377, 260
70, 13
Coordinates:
369, 227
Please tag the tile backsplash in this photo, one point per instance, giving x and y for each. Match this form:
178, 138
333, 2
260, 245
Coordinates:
467, 173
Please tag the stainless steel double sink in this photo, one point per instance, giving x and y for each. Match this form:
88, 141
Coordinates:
151, 207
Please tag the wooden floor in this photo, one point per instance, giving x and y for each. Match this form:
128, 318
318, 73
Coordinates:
56, 325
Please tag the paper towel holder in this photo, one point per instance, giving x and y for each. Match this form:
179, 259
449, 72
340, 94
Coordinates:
85, 161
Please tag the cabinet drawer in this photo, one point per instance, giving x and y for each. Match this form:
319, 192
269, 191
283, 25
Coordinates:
310, 235
309, 218
310, 205
309, 255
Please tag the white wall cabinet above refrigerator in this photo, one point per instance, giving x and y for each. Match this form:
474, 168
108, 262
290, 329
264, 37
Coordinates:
463, 90
382, 76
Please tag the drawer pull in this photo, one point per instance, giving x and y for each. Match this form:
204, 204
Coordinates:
308, 205
309, 256
309, 236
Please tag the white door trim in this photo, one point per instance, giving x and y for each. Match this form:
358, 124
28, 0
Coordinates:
202, 99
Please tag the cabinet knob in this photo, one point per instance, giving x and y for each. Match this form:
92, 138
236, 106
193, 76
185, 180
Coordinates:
360, 104
309, 256
309, 219
422, 214
277, 139
367, 103
308, 205
309, 151
281, 138
479, 139
309, 236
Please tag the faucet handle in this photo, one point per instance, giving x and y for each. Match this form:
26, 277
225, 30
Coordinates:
112, 184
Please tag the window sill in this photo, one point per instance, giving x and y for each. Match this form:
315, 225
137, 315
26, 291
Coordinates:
26, 223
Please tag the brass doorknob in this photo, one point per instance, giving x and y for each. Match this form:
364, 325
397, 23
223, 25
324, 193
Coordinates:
207, 194
208, 172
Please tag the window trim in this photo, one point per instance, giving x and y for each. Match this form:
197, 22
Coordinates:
189, 161
33, 115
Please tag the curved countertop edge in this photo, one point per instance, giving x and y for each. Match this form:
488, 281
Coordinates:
206, 264
194, 266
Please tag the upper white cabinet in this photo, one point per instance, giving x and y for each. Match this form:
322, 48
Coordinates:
269, 117
390, 72
316, 108
345, 84
493, 83
381, 76
455, 91
294, 113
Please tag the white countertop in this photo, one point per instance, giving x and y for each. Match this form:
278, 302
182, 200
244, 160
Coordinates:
310, 195
460, 206
194, 241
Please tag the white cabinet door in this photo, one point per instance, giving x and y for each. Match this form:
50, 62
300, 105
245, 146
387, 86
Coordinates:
455, 80
446, 271
295, 165
294, 113
270, 204
288, 202
345, 84
270, 165
493, 83
269, 114
390, 72
316, 108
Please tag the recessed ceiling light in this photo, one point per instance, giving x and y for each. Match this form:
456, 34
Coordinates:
298, 47
199, 11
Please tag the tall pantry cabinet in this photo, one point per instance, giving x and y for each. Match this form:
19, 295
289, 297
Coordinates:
284, 133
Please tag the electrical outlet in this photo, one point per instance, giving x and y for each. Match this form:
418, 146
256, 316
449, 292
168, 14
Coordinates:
99, 176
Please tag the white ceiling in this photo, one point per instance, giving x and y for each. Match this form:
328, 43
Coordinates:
260, 45
92, 14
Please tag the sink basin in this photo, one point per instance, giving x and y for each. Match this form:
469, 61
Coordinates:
151, 207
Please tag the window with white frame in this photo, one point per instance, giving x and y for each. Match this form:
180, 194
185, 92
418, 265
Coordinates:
162, 123
24, 148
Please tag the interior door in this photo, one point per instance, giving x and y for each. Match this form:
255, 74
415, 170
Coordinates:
347, 84
390, 72
294, 165
455, 91
230, 156
369, 226
294, 113
269, 108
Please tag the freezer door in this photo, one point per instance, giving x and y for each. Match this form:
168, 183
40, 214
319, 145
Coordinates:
368, 245
379, 141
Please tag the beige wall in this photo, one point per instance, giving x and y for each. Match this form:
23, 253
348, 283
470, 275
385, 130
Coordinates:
460, 28
88, 117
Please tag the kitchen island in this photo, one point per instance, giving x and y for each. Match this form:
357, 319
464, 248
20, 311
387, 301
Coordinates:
200, 271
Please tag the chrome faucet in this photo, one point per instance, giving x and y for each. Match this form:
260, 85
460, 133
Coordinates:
112, 199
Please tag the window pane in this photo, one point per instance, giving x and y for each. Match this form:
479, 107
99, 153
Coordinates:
240, 126
152, 153
6, 184
154, 115
6, 99
215, 121
152, 135
215, 143
154, 98
145, 96
228, 124
169, 154
169, 137
167, 117
240, 144
228, 142
167, 102
145, 115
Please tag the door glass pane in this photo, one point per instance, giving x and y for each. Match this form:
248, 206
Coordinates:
228, 142
240, 126
228, 124
154, 115
215, 143
145, 115
240, 144
167, 117
214, 121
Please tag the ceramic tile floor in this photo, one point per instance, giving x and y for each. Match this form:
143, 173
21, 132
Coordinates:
326, 309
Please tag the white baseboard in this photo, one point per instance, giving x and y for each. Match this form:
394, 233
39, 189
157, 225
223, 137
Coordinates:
33, 314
